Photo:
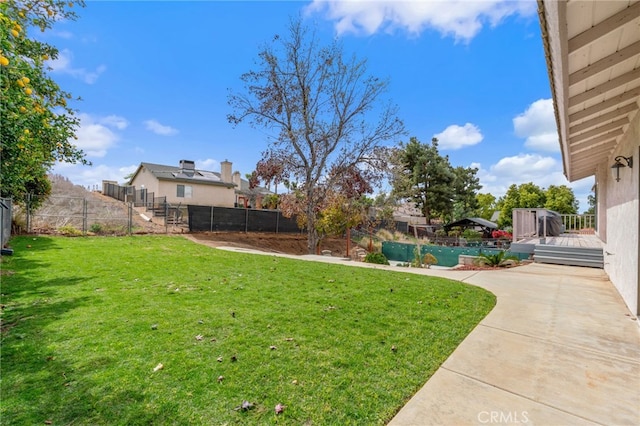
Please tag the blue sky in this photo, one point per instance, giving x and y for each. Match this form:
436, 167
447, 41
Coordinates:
154, 77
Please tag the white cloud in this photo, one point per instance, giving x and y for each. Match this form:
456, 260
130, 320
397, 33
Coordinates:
456, 137
95, 134
538, 126
159, 129
62, 34
91, 177
119, 123
543, 171
62, 64
209, 164
462, 19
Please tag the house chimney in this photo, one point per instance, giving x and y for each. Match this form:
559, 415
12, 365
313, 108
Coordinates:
225, 171
237, 179
187, 165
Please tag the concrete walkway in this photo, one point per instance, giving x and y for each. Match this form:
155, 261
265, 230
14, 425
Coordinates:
559, 348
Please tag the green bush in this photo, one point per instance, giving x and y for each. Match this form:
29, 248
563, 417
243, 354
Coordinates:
96, 228
455, 231
472, 235
498, 259
376, 257
69, 231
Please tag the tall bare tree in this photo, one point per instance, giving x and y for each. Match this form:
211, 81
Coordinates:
320, 106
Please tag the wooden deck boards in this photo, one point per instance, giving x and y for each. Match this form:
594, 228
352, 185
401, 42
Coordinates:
569, 240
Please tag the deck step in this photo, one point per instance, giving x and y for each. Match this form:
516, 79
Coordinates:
566, 255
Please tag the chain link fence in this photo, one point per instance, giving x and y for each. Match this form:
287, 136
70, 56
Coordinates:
75, 215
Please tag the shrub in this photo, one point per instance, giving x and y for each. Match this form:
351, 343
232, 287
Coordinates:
455, 231
502, 235
385, 235
497, 259
472, 235
69, 231
429, 259
441, 233
96, 228
376, 257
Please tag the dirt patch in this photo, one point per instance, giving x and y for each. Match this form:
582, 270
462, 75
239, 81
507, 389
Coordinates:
269, 242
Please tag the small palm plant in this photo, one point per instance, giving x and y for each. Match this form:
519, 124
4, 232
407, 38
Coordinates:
498, 259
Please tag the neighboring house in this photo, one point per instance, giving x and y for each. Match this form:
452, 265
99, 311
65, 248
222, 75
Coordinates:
187, 185
593, 58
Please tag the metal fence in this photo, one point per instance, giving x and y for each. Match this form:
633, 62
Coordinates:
77, 215
6, 208
210, 218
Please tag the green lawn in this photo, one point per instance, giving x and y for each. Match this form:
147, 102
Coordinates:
86, 321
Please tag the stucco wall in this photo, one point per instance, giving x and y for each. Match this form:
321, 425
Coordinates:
144, 177
622, 210
204, 195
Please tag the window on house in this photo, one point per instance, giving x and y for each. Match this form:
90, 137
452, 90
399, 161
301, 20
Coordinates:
184, 191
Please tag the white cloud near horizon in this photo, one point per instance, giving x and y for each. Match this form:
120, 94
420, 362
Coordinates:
460, 19
456, 137
538, 126
63, 64
96, 134
543, 171
159, 129
92, 176
209, 164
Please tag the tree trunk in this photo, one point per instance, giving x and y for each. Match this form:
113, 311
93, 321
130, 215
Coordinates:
313, 240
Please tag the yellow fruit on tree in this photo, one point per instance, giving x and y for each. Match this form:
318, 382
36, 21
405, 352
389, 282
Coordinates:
4, 61
45, 57
26, 80
15, 33
20, 83
26, 131
28, 91
23, 109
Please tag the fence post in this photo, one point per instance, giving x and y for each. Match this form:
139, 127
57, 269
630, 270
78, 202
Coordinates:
130, 224
246, 220
277, 221
84, 216
211, 221
166, 216
28, 213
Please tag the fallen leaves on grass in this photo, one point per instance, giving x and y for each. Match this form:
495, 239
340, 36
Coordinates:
280, 408
245, 406
158, 367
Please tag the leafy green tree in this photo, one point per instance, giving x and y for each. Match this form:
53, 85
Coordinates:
486, 206
591, 200
526, 195
561, 199
320, 106
421, 174
36, 124
466, 185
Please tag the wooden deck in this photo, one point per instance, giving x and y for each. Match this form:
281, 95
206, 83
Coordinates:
567, 240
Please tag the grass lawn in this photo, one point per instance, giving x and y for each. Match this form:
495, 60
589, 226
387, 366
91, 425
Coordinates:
86, 321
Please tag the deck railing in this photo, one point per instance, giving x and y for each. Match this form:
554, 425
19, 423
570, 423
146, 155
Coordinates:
579, 223
533, 223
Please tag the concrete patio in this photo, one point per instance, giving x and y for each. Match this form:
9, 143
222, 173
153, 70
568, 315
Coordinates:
559, 348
